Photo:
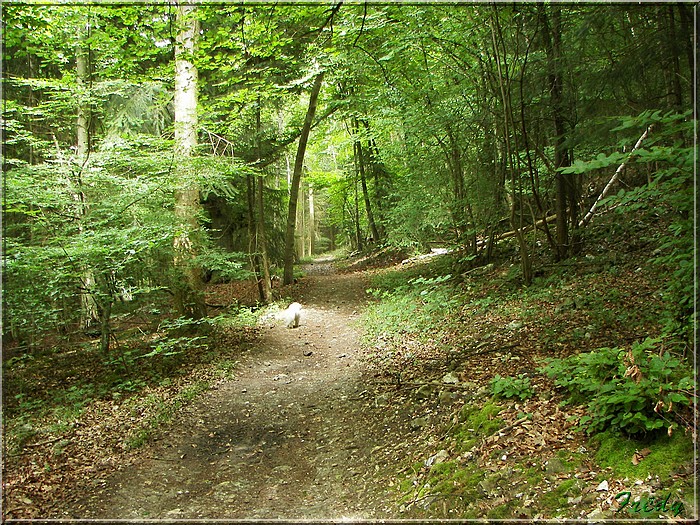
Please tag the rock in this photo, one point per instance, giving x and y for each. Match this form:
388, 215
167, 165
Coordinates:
603, 486
597, 514
490, 485
567, 305
424, 392
555, 466
435, 459
483, 391
418, 423
514, 325
450, 379
382, 400
446, 397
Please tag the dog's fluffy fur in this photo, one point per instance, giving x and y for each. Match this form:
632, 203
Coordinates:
293, 315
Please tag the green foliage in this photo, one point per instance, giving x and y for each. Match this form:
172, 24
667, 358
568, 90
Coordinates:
226, 266
409, 304
509, 387
635, 391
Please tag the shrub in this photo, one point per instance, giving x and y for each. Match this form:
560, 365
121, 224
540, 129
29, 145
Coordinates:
635, 391
509, 387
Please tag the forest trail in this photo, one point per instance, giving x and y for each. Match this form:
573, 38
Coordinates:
292, 436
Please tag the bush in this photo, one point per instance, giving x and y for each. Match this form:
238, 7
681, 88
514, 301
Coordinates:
635, 391
509, 387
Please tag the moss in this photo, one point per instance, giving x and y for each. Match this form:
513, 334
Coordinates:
477, 423
666, 455
447, 480
557, 498
504, 511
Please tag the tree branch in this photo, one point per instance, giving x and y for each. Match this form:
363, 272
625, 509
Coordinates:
583, 222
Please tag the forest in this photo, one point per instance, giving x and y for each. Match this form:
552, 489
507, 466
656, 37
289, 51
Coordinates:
498, 198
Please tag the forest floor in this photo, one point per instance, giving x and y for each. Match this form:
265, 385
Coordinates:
291, 436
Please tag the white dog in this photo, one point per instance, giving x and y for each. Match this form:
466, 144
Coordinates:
292, 315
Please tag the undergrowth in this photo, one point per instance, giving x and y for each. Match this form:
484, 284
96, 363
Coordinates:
48, 391
613, 338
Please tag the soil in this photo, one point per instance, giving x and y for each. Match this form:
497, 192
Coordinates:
296, 434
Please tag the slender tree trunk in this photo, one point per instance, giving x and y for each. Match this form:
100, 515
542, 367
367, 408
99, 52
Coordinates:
262, 244
687, 41
379, 174
360, 163
673, 53
189, 297
299, 228
312, 222
508, 126
566, 203
252, 230
358, 231
89, 308
261, 236
296, 179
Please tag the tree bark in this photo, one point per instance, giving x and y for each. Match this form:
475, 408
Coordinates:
261, 237
252, 230
296, 179
508, 126
360, 162
189, 297
312, 222
89, 308
566, 199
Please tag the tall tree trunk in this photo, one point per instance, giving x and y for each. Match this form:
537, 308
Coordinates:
252, 233
566, 203
687, 41
516, 219
261, 237
262, 244
89, 307
360, 163
380, 176
189, 297
296, 179
668, 29
312, 222
358, 231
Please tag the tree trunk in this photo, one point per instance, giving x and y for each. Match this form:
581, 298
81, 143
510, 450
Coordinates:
261, 237
312, 222
89, 311
379, 174
296, 179
510, 164
358, 231
360, 162
189, 297
252, 232
566, 203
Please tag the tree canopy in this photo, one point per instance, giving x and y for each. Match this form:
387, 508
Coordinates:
453, 125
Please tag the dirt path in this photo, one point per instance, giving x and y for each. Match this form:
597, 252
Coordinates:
295, 435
